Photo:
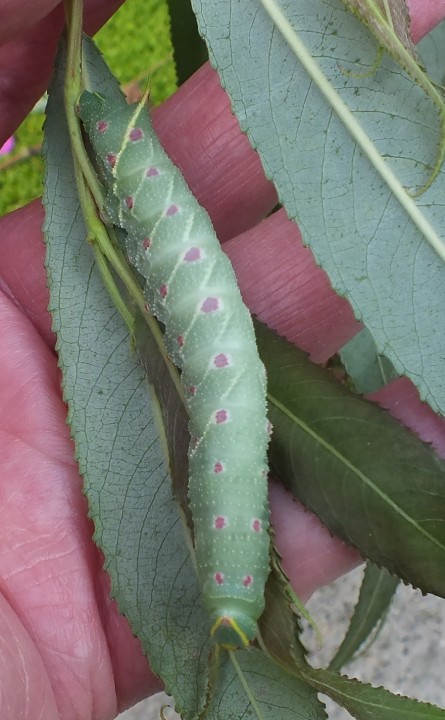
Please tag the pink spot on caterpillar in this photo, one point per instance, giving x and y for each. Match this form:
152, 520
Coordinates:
171, 210
192, 389
129, 202
247, 580
146, 243
210, 304
180, 341
221, 416
257, 525
219, 578
163, 290
136, 134
220, 360
192, 254
151, 171
111, 159
220, 522
218, 467
102, 126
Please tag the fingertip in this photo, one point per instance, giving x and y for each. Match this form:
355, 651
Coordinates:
401, 398
200, 133
425, 15
282, 284
311, 555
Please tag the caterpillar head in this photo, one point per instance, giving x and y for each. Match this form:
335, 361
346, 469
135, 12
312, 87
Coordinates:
233, 629
90, 108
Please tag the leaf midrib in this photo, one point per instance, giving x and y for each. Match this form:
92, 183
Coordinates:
352, 468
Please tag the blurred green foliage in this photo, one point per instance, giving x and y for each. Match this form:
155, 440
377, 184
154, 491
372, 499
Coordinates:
136, 44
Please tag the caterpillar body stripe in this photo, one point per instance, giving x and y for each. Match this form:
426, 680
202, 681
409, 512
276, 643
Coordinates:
191, 288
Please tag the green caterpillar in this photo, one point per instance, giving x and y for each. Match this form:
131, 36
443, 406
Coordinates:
191, 288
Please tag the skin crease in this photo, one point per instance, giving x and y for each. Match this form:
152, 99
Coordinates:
65, 651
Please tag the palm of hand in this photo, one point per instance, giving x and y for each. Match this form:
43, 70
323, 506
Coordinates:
64, 636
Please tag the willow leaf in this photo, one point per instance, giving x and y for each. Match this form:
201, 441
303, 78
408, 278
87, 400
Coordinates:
365, 702
376, 592
371, 481
363, 228
356, 130
250, 685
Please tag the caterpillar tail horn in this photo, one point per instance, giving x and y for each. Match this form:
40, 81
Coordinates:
233, 630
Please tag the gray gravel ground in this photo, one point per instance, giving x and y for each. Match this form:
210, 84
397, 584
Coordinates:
408, 656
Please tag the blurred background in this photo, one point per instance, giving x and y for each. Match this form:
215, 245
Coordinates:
147, 59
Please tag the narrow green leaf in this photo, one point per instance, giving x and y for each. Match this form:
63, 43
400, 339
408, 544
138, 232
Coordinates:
279, 624
371, 481
376, 593
368, 370
137, 523
189, 49
365, 702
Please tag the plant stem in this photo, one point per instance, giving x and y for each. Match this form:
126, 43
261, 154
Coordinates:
72, 90
91, 195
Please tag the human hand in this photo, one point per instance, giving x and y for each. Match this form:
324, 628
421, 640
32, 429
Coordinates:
67, 652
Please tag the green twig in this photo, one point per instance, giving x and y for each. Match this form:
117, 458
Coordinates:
91, 195
72, 90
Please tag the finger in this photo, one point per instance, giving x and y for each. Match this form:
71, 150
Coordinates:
26, 62
23, 277
283, 286
425, 14
403, 401
311, 555
200, 133
21, 15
